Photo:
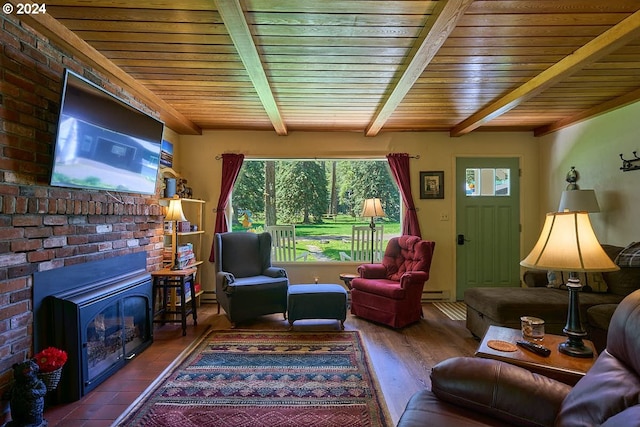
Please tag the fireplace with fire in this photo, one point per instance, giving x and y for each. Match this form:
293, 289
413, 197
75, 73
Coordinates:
99, 312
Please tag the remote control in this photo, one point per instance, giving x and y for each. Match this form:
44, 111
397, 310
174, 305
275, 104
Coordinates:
536, 348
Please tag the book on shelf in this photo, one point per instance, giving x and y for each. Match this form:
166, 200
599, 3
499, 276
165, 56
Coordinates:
197, 287
185, 247
185, 255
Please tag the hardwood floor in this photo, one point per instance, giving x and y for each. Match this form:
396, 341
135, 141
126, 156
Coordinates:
402, 360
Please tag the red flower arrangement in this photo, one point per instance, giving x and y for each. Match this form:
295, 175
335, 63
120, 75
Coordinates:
50, 359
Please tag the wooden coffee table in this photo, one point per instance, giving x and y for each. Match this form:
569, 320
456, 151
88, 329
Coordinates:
558, 366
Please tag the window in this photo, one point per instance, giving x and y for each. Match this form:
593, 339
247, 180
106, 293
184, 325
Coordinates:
322, 199
488, 182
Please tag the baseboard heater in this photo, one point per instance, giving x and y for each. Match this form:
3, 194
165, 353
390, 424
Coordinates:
428, 296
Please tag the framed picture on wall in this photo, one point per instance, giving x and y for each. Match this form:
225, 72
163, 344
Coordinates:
166, 154
432, 185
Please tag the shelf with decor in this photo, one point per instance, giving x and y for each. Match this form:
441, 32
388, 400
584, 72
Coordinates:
187, 239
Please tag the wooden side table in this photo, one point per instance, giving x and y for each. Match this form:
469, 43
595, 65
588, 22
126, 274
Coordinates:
558, 366
347, 278
168, 286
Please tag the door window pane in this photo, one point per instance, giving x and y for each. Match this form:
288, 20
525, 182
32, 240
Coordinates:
473, 182
503, 182
488, 182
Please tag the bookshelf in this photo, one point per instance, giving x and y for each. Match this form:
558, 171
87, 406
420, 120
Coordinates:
189, 238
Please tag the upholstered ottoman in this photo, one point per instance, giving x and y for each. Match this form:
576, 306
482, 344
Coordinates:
317, 301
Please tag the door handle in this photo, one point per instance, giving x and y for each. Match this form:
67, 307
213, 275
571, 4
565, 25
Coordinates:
461, 239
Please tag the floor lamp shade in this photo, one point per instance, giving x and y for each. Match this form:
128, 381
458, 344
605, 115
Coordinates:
372, 208
568, 243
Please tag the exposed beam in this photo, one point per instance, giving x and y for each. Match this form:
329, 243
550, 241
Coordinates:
612, 39
233, 18
597, 110
46, 25
442, 21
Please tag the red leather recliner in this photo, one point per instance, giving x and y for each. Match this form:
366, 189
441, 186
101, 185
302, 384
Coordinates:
391, 292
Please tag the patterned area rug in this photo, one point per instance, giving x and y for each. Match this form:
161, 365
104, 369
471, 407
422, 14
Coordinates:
275, 379
453, 310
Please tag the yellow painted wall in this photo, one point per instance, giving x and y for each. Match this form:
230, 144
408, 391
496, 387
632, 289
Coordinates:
196, 161
594, 148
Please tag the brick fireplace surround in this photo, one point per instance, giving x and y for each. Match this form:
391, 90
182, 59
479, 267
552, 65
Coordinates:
42, 227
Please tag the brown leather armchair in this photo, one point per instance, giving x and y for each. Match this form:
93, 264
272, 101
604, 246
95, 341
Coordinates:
391, 292
469, 391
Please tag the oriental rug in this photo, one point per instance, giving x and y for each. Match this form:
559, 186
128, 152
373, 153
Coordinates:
257, 378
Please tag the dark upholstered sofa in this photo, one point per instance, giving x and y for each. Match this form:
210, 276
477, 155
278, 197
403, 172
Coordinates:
504, 306
467, 391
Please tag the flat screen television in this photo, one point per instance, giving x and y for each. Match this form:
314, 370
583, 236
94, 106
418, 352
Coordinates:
103, 143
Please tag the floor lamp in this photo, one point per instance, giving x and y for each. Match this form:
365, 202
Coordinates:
372, 208
568, 243
175, 214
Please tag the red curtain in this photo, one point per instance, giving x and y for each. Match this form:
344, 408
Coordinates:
399, 163
231, 164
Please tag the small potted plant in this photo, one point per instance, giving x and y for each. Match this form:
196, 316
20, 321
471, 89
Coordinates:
50, 361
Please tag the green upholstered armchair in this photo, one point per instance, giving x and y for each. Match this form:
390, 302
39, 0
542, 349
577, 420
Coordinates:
247, 285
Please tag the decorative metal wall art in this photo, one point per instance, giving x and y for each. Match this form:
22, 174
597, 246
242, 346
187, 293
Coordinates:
628, 164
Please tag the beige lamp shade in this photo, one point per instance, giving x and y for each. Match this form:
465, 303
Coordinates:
578, 200
174, 212
568, 243
372, 208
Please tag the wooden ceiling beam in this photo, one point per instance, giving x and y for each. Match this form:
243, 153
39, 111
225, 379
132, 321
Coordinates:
234, 19
74, 45
612, 39
605, 107
439, 26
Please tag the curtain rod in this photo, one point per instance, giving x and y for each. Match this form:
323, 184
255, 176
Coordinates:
219, 157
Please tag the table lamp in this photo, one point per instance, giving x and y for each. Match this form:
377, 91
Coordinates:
579, 200
175, 214
568, 243
372, 208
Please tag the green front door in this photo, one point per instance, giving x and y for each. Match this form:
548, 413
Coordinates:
487, 223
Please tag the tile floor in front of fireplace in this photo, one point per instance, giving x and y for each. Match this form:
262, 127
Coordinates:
102, 406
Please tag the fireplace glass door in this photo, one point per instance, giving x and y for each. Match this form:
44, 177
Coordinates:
115, 333
104, 341
136, 324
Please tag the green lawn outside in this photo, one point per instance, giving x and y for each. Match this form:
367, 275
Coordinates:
331, 237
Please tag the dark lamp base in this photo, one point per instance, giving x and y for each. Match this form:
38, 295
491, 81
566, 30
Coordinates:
575, 349
176, 264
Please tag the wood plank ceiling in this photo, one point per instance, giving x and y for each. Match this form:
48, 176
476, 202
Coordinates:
365, 66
